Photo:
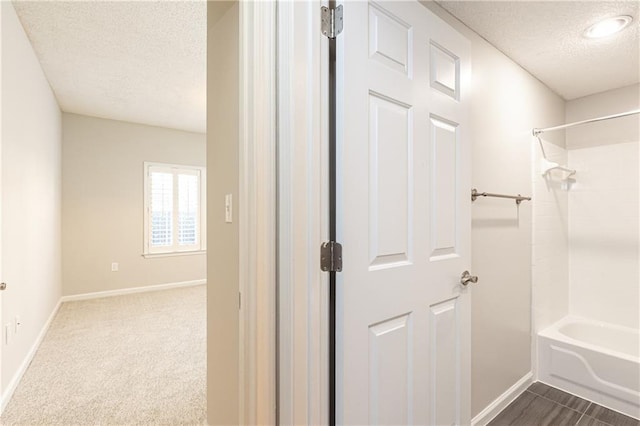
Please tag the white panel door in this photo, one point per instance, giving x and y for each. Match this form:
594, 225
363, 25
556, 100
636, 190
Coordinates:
404, 205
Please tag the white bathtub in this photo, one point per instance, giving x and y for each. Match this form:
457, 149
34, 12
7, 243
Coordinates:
596, 361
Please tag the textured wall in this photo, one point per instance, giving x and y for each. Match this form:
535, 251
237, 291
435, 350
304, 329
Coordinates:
604, 206
506, 104
30, 194
102, 210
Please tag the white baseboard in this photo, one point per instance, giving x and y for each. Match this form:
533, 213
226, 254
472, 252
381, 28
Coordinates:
501, 402
11, 388
131, 290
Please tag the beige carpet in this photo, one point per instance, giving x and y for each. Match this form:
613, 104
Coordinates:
135, 359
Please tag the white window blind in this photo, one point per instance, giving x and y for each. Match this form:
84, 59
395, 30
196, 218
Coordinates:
188, 200
161, 209
173, 208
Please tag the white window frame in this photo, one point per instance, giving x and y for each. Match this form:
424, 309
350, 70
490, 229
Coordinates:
175, 250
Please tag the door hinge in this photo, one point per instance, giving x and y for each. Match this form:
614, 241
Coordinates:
331, 257
332, 21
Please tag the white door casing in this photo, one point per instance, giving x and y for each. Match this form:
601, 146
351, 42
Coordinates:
404, 217
303, 214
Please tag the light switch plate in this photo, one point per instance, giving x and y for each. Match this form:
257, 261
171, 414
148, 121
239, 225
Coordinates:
228, 208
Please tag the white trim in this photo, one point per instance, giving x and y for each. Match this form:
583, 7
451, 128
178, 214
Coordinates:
303, 213
286, 137
176, 253
257, 216
11, 388
131, 290
501, 402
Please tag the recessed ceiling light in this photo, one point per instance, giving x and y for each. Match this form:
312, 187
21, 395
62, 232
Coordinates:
608, 27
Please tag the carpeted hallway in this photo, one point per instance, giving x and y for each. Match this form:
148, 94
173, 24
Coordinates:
134, 359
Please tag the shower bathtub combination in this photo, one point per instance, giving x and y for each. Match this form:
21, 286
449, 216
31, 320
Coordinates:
596, 361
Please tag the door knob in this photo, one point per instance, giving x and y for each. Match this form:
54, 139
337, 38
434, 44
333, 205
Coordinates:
467, 278
3, 286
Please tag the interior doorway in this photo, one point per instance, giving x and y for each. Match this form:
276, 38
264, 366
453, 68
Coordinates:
104, 183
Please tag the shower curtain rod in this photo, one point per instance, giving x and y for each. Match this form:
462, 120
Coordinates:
538, 132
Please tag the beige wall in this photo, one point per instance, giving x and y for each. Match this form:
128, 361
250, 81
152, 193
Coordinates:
507, 102
222, 178
30, 142
102, 203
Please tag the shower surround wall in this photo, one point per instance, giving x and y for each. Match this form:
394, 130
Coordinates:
585, 238
604, 246
603, 234
550, 253
586, 255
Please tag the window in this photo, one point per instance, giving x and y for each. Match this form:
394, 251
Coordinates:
174, 206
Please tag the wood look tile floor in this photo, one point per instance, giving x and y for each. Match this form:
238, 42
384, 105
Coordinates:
543, 405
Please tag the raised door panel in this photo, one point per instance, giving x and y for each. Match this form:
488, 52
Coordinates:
443, 187
390, 40
444, 70
390, 182
391, 371
445, 360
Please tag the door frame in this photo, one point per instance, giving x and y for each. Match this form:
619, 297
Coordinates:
257, 213
283, 219
303, 206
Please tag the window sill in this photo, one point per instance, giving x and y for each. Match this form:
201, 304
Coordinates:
175, 253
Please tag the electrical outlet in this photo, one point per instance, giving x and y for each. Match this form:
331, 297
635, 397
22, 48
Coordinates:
18, 323
114, 267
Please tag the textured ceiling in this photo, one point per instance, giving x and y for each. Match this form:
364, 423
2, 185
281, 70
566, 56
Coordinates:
138, 61
145, 61
546, 39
